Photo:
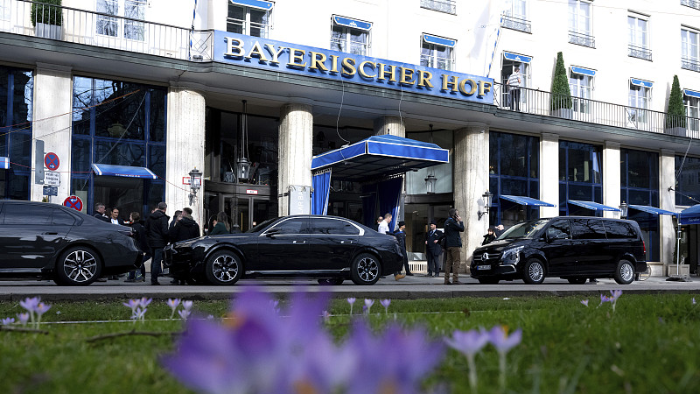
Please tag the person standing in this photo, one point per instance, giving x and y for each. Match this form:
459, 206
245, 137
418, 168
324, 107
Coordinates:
177, 216
489, 237
384, 225
185, 228
221, 225
515, 81
139, 274
157, 233
379, 221
100, 212
114, 217
499, 230
453, 243
400, 235
433, 249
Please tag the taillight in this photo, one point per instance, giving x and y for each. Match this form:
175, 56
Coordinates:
645, 247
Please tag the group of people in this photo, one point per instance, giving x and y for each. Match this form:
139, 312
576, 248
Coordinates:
153, 235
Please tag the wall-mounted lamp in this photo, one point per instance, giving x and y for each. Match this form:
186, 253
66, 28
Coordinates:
243, 164
195, 183
430, 183
623, 208
487, 204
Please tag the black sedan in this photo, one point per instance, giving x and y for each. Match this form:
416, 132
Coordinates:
42, 240
329, 248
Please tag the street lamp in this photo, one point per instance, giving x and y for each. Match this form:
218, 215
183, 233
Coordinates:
487, 204
243, 163
195, 183
623, 208
430, 183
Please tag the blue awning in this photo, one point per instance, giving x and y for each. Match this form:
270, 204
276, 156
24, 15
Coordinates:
354, 23
582, 71
438, 40
593, 205
690, 215
380, 155
652, 210
517, 58
124, 171
5, 163
691, 93
522, 200
259, 4
639, 82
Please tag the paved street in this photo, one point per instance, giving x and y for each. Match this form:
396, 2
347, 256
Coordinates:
408, 288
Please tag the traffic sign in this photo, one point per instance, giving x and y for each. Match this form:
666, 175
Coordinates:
73, 202
52, 179
51, 161
51, 190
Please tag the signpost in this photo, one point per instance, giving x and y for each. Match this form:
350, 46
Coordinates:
73, 202
39, 162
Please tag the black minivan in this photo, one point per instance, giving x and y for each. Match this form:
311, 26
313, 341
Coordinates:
569, 247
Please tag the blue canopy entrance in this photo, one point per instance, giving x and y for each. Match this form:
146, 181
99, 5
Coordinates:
690, 215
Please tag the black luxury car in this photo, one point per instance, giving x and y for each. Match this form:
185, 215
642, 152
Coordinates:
43, 240
573, 248
329, 248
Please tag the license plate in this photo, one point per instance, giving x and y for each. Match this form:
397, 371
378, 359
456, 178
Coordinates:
483, 267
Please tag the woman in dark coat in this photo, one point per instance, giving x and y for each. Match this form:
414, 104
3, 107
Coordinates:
221, 225
139, 231
489, 237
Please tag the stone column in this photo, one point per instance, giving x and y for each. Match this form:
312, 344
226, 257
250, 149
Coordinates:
295, 151
392, 125
53, 96
611, 178
549, 174
667, 201
185, 147
471, 180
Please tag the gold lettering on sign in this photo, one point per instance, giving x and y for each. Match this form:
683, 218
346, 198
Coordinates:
382, 72
449, 80
424, 78
257, 51
317, 63
361, 69
349, 66
234, 43
407, 76
334, 63
275, 54
462, 86
295, 58
484, 87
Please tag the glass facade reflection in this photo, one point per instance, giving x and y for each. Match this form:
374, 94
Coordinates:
580, 177
16, 90
639, 180
687, 180
513, 170
119, 123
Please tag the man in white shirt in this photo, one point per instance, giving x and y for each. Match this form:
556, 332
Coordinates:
515, 81
384, 225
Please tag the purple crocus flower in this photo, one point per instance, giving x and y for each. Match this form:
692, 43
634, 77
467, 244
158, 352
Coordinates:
173, 304
133, 304
368, 304
30, 303
693, 300
184, 314
144, 302
351, 301
23, 318
187, 305
469, 343
139, 314
7, 321
503, 343
40, 310
385, 304
584, 302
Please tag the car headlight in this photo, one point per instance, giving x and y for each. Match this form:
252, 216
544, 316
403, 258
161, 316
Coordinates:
511, 256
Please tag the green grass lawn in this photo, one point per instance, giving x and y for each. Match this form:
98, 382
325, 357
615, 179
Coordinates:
650, 344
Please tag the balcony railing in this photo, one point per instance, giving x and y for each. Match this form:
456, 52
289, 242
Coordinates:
690, 64
511, 22
639, 52
581, 39
542, 103
448, 6
104, 30
691, 3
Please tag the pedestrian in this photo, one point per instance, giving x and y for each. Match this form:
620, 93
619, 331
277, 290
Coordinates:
139, 274
379, 221
157, 233
177, 216
114, 217
400, 235
499, 230
221, 225
100, 212
384, 225
433, 249
453, 243
185, 228
515, 81
490, 236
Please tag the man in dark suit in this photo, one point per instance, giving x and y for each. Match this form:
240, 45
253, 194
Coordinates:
114, 217
433, 249
100, 212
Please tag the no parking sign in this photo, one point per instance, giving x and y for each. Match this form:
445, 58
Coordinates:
73, 202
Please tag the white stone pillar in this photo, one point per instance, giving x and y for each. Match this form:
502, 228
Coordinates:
52, 105
392, 125
185, 147
549, 174
471, 180
667, 201
611, 178
295, 150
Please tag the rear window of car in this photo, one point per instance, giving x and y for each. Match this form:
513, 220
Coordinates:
292, 226
61, 218
588, 229
27, 214
620, 230
332, 227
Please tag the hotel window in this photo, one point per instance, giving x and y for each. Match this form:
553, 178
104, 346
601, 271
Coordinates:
515, 16
580, 31
581, 86
689, 50
639, 98
691, 100
638, 37
350, 35
437, 52
117, 25
251, 17
691, 3
448, 6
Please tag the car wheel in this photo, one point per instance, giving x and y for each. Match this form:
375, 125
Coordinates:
533, 271
365, 270
624, 274
489, 281
577, 281
223, 268
78, 266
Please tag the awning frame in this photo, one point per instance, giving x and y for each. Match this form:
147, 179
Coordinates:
691, 93
516, 57
258, 4
352, 23
642, 83
435, 40
123, 171
592, 205
527, 201
652, 210
583, 71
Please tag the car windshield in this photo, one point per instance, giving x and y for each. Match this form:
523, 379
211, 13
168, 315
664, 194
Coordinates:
524, 230
258, 228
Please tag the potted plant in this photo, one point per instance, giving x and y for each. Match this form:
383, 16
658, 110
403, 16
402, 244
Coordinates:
675, 115
561, 94
47, 18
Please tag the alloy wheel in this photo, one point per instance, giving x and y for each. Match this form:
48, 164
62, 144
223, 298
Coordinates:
80, 266
225, 268
626, 272
535, 272
368, 269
